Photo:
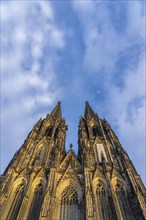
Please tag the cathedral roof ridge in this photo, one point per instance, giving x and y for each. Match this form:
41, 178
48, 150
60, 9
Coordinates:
70, 155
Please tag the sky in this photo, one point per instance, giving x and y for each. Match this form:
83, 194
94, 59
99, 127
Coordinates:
73, 52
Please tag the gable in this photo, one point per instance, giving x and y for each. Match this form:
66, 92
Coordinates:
70, 159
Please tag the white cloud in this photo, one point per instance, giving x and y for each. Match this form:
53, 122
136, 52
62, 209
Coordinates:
136, 21
28, 80
84, 6
57, 38
31, 39
15, 42
134, 89
129, 110
103, 44
46, 10
102, 41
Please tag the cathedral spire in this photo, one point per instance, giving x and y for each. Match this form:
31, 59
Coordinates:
56, 113
89, 113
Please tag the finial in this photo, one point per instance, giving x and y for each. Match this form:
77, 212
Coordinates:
71, 146
59, 103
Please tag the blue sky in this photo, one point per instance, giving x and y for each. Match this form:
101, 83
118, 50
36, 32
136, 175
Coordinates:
73, 51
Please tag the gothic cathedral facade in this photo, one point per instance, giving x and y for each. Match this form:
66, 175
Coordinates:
44, 182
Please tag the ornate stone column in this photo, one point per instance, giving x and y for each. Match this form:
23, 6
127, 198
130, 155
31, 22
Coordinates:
45, 210
89, 196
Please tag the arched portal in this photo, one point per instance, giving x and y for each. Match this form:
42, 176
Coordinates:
68, 201
69, 204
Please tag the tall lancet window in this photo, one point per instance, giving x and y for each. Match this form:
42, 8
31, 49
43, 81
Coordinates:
17, 200
122, 208
102, 203
69, 209
36, 203
101, 151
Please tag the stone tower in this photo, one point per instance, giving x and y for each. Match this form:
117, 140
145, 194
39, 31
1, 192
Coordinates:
44, 182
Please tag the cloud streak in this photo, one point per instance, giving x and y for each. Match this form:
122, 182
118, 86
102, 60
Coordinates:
73, 52
30, 40
115, 58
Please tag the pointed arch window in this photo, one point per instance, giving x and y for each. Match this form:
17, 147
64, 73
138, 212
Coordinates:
17, 201
56, 132
36, 203
49, 131
69, 205
122, 201
101, 151
97, 131
102, 203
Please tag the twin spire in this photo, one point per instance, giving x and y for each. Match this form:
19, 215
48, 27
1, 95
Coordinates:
89, 113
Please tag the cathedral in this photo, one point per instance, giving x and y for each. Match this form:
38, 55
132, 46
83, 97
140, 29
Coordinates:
43, 181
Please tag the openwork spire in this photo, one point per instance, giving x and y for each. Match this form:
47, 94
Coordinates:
89, 113
56, 113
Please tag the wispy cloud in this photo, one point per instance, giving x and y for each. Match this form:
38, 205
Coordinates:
114, 38
103, 38
74, 51
30, 39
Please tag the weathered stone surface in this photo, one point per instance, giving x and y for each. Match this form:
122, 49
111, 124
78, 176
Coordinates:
45, 182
